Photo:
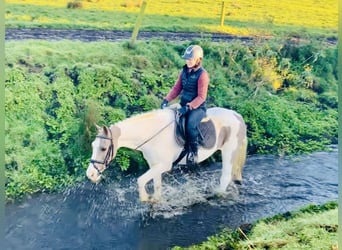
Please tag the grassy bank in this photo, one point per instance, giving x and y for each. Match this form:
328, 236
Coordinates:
307, 18
313, 227
55, 91
286, 91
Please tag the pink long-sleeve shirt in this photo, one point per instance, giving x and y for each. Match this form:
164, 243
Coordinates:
202, 90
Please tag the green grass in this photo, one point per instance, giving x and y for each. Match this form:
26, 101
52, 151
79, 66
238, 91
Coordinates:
313, 227
37, 65
263, 18
289, 107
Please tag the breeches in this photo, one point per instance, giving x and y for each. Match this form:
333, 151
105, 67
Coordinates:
193, 119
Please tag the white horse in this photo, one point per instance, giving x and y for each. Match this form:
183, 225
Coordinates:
152, 133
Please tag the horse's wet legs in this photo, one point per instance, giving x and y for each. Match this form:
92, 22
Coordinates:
157, 183
226, 175
143, 196
154, 173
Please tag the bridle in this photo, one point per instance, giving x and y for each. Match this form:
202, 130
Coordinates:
109, 155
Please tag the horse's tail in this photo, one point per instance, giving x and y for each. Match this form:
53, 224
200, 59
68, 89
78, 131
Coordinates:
241, 154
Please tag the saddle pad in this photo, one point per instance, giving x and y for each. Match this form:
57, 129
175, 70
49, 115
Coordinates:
206, 129
207, 133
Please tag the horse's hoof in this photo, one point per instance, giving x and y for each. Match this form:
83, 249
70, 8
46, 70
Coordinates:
238, 182
153, 200
144, 198
149, 200
220, 194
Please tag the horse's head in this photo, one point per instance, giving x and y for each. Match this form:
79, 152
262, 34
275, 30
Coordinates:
104, 150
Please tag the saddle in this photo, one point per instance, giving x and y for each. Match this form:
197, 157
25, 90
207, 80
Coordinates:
207, 132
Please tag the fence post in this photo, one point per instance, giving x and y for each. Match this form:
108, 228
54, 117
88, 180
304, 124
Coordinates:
138, 24
223, 12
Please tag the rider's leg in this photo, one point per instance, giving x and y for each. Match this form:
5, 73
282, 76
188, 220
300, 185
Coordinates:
194, 118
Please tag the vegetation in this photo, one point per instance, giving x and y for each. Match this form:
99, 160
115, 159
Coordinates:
313, 227
285, 89
307, 18
56, 91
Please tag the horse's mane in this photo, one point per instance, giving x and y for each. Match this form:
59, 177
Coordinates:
144, 115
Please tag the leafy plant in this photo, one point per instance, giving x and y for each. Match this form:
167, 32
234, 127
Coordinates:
56, 93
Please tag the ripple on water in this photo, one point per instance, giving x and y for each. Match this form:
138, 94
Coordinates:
89, 216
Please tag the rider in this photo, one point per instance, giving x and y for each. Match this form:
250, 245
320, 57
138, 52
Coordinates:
192, 86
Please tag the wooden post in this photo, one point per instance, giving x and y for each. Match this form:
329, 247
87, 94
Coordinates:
223, 12
138, 24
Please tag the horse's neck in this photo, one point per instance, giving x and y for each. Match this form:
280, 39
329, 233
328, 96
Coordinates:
137, 130
129, 136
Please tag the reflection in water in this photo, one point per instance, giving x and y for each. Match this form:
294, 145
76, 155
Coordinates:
109, 215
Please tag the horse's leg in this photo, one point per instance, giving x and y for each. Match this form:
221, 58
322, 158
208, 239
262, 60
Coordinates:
157, 183
226, 175
142, 181
239, 159
155, 172
157, 180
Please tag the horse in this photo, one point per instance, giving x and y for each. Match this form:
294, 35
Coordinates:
153, 133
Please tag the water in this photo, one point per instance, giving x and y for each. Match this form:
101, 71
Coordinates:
109, 215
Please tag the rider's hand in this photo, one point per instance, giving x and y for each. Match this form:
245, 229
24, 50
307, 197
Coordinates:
183, 110
164, 104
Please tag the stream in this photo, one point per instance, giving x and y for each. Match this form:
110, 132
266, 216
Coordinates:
110, 216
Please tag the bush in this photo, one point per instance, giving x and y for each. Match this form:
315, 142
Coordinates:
282, 127
56, 93
74, 5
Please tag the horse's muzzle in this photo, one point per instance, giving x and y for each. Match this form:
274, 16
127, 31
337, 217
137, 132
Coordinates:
93, 175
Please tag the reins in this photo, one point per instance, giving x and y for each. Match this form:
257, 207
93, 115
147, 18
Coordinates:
110, 151
149, 139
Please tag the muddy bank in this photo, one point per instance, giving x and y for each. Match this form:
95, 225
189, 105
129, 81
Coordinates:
111, 35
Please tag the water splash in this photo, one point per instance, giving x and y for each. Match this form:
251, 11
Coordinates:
182, 191
110, 214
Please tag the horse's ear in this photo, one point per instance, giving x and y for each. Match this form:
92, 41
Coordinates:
105, 129
97, 127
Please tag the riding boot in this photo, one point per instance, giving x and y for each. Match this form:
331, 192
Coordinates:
184, 152
192, 158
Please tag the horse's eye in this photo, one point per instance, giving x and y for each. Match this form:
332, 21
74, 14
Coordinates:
103, 149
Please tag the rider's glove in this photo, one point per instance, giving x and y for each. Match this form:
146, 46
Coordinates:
164, 104
183, 110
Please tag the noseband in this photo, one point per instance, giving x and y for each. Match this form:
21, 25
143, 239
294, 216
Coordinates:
109, 155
